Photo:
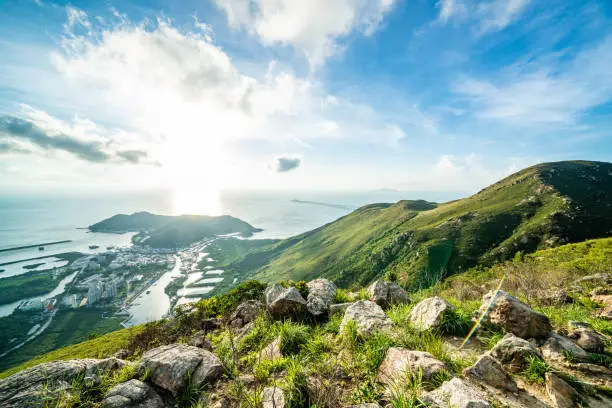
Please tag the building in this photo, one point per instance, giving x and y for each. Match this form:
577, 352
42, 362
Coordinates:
94, 293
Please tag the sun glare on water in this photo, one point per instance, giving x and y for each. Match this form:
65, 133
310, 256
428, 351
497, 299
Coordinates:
196, 201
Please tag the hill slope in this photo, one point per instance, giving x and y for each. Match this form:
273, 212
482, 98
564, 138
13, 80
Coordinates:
541, 206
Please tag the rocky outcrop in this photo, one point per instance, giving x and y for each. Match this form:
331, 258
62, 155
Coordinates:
245, 313
514, 316
559, 348
45, 382
514, 353
457, 393
171, 367
284, 302
321, 294
490, 371
561, 393
428, 314
132, 394
272, 397
399, 363
386, 294
368, 317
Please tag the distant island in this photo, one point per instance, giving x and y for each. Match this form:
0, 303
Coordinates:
164, 231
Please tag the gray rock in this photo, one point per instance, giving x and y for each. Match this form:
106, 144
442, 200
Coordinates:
561, 393
282, 302
514, 353
44, 382
428, 313
599, 278
132, 394
558, 348
457, 393
515, 317
400, 362
122, 354
272, 397
387, 293
588, 339
272, 351
490, 371
171, 366
245, 313
555, 297
338, 308
321, 294
199, 340
368, 317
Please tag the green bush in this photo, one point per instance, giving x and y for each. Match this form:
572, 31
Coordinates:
221, 304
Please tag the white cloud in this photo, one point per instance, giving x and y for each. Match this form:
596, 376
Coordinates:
554, 90
487, 16
312, 27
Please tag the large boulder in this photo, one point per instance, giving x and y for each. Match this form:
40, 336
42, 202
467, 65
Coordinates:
399, 363
386, 294
429, 313
45, 382
514, 316
457, 393
588, 339
514, 353
368, 317
132, 394
172, 366
245, 313
282, 302
559, 348
272, 397
490, 371
561, 393
321, 294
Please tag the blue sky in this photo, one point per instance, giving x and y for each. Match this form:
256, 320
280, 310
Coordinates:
418, 95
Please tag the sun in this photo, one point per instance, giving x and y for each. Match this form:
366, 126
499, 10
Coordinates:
196, 200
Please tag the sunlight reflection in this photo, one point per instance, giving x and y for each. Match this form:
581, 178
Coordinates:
196, 200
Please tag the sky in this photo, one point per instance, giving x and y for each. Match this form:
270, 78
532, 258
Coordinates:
413, 95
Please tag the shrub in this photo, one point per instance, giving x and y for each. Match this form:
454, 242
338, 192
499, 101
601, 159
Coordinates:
536, 369
221, 304
292, 336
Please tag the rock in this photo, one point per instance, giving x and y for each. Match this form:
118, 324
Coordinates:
561, 393
368, 317
599, 278
132, 394
490, 371
245, 313
272, 351
514, 353
199, 340
272, 397
594, 373
95, 371
122, 354
588, 339
171, 366
44, 383
457, 393
385, 294
428, 313
338, 308
515, 317
284, 302
558, 348
321, 294
400, 362
556, 297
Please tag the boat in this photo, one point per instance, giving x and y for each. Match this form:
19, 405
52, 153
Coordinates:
94, 246
41, 248
148, 291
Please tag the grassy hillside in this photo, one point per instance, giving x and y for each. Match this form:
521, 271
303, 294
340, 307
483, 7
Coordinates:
539, 207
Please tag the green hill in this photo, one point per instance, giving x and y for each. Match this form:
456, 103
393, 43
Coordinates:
542, 206
164, 231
